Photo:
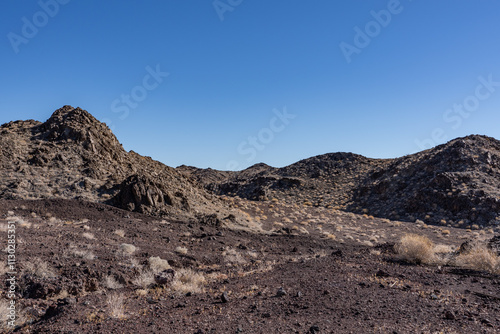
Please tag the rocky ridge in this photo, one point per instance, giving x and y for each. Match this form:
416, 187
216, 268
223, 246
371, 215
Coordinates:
456, 183
74, 156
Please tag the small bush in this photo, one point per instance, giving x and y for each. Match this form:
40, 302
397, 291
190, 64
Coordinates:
111, 283
157, 264
181, 250
479, 258
39, 268
116, 306
187, 280
144, 279
416, 249
120, 233
128, 249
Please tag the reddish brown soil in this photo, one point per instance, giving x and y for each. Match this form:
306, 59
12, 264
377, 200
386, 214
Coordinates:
330, 286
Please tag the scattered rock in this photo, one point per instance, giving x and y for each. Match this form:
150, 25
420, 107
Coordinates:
224, 297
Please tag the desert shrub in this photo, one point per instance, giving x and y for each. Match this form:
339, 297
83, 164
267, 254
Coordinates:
111, 283
89, 236
39, 268
128, 249
120, 233
116, 306
144, 279
479, 257
157, 264
416, 249
187, 280
181, 250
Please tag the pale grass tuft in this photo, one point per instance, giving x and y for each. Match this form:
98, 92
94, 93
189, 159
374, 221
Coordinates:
128, 249
83, 254
21, 317
233, 256
157, 264
39, 268
181, 250
479, 258
111, 283
144, 279
89, 236
116, 306
120, 233
416, 248
187, 280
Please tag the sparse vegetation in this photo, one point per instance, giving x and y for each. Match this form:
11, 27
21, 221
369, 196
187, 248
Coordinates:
416, 248
116, 306
128, 249
479, 257
187, 280
156, 264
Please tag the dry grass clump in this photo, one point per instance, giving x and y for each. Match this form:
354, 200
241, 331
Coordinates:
111, 283
83, 254
116, 306
39, 268
233, 256
156, 264
181, 250
187, 280
416, 249
89, 236
120, 233
128, 249
479, 257
145, 279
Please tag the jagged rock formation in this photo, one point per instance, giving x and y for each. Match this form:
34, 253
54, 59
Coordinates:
457, 183
74, 156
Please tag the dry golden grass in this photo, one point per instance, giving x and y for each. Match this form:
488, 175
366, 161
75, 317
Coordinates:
416, 249
120, 233
479, 258
181, 250
111, 283
128, 249
187, 280
156, 264
144, 279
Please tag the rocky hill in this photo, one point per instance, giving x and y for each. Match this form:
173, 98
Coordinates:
454, 184
74, 156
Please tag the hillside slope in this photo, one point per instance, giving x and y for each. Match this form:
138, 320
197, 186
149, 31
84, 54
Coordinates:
456, 183
74, 156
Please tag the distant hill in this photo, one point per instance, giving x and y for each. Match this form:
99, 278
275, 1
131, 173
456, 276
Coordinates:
457, 183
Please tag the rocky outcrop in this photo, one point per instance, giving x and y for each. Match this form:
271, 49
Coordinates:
74, 156
456, 184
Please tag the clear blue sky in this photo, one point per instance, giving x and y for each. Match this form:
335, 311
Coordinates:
232, 68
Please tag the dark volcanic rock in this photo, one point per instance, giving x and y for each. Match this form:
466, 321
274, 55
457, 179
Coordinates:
457, 183
74, 156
